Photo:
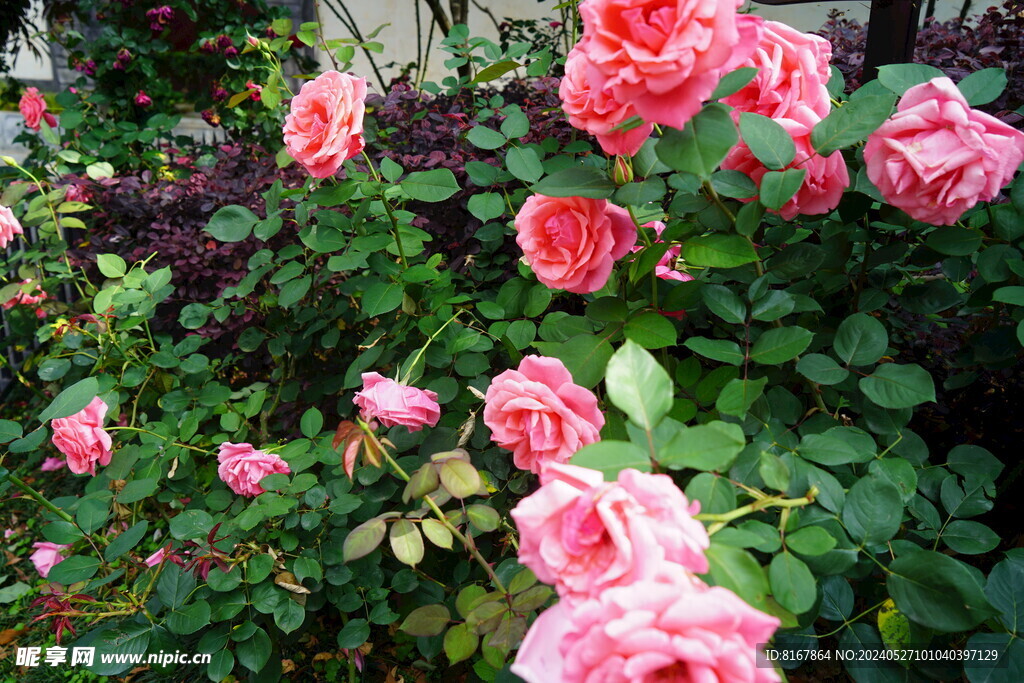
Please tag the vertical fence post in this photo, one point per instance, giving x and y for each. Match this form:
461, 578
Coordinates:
892, 33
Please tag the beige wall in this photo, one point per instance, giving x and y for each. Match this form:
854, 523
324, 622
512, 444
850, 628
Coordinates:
28, 66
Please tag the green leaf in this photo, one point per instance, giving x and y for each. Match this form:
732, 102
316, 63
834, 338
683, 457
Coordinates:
780, 344
937, 591
125, 541
611, 457
954, 241
827, 449
431, 186
232, 223
873, 510
364, 539
651, 330
289, 615
708, 447
428, 620
792, 583
524, 164
577, 181
496, 70
460, 642
722, 350
1009, 295
486, 205
460, 478
984, 86
901, 77
735, 184
778, 187
638, 385
850, 123
898, 386
738, 395
111, 265
382, 297
734, 81
821, 369
970, 538
485, 138
9, 431
724, 303
702, 144
718, 250
1005, 590
768, 141
354, 633
861, 339
810, 540
406, 542
585, 356
254, 652
312, 422
737, 570
190, 618
71, 400
293, 291
73, 569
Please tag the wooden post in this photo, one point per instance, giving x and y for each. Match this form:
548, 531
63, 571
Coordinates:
892, 34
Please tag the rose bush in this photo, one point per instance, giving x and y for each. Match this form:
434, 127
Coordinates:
647, 413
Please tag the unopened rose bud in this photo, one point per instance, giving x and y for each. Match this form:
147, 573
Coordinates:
623, 170
8, 160
253, 41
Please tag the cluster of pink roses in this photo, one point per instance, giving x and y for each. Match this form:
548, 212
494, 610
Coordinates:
22, 298
623, 557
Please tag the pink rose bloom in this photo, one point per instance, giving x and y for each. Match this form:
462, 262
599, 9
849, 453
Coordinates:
325, 126
392, 404
157, 557
142, 99
21, 298
53, 464
571, 243
585, 535
33, 108
81, 438
242, 467
826, 179
540, 414
647, 632
596, 112
46, 556
665, 269
8, 533
9, 226
792, 73
936, 157
664, 57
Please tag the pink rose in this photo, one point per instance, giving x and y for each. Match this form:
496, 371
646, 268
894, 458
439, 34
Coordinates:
242, 467
81, 438
391, 403
793, 70
9, 226
596, 112
157, 557
826, 178
53, 464
646, 632
325, 125
142, 99
664, 57
540, 414
33, 108
936, 157
8, 533
665, 269
21, 298
76, 193
571, 243
585, 535
46, 556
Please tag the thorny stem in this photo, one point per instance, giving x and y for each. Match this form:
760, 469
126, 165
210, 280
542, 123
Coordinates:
437, 512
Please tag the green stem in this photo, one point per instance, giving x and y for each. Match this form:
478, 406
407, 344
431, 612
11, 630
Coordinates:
38, 497
431, 338
388, 211
146, 431
467, 544
721, 519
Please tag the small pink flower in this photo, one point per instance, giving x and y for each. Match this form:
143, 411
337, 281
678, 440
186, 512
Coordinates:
826, 178
325, 124
596, 112
936, 157
256, 88
52, 464
142, 99
585, 535
157, 557
24, 299
665, 57
793, 70
33, 109
393, 404
540, 414
572, 243
46, 556
242, 467
664, 268
8, 533
678, 630
82, 439
9, 226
